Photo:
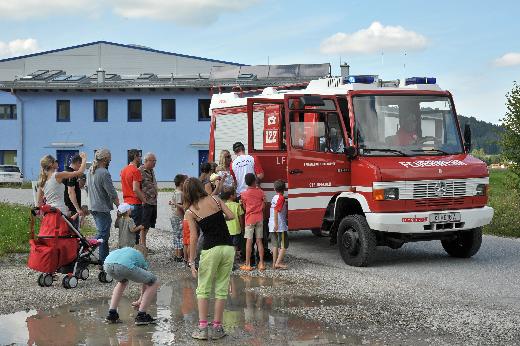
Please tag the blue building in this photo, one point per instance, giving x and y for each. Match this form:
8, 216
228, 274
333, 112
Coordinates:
120, 97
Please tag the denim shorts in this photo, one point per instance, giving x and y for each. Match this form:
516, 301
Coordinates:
122, 273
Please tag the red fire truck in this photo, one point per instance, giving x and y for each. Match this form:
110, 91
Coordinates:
369, 162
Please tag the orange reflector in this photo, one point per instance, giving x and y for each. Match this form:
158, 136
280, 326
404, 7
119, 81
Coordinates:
378, 194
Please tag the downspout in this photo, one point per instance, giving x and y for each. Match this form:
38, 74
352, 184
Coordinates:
19, 111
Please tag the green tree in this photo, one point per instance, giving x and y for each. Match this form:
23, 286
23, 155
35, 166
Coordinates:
511, 124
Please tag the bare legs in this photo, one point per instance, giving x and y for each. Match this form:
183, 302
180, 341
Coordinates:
203, 309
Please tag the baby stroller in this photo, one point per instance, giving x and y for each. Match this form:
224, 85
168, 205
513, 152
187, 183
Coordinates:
60, 248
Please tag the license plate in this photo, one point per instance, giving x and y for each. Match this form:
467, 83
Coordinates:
444, 217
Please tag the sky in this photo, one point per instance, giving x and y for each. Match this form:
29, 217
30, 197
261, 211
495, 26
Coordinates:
471, 47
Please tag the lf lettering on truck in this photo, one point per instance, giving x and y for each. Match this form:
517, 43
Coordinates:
369, 162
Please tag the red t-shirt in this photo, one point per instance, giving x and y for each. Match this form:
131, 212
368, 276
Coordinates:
129, 174
253, 201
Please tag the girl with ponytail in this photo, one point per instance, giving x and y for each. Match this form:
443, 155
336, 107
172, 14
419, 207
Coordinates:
50, 182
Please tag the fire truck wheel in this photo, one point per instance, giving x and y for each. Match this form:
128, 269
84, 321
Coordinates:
465, 245
357, 242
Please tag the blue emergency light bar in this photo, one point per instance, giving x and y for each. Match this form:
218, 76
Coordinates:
420, 80
363, 79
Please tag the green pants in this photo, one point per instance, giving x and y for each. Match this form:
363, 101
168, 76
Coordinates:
215, 264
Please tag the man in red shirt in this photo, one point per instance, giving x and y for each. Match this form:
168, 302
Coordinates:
131, 185
253, 200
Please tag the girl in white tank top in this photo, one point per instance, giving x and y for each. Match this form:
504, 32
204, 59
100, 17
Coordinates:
50, 182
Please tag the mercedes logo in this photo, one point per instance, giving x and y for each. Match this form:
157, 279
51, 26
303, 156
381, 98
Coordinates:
440, 189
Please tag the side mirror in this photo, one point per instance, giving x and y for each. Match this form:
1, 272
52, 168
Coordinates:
351, 152
467, 138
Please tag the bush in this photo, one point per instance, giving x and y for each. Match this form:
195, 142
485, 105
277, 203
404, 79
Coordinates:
504, 197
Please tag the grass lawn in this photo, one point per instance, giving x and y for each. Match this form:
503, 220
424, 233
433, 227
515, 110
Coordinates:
14, 228
504, 197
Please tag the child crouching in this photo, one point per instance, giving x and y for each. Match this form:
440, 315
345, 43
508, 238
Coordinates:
129, 264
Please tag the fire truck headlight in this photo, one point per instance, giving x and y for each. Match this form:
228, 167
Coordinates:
481, 190
389, 193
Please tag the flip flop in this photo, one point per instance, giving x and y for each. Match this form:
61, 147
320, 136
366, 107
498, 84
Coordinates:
281, 266
246, 268
261, 268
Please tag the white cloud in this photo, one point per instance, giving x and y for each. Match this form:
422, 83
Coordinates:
18, 47
375, 38
184, 12
509, 59
22, 9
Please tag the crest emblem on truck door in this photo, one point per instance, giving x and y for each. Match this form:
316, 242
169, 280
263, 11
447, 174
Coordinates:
440, 189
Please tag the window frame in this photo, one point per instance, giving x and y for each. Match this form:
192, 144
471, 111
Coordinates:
12, 111
58, 102
140, 101
174, 110
200, 101
96, 119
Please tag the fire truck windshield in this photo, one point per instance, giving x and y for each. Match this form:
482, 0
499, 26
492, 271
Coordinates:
406, 125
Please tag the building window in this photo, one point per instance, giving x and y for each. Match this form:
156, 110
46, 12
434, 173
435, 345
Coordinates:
7, 112
204, 109
8, 157
135, 110
168, 109
63, 110
101, 110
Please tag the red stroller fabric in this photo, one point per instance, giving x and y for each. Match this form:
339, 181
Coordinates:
47, 255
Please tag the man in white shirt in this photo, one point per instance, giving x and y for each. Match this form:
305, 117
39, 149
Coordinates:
242, 165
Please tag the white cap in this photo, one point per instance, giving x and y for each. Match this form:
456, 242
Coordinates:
124, 207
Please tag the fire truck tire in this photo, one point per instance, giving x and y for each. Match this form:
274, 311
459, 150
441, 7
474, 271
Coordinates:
465, 245
357, 242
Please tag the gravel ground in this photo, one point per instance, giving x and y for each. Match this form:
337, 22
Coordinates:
416, 294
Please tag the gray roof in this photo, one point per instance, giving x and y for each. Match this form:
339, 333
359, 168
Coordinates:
219, 76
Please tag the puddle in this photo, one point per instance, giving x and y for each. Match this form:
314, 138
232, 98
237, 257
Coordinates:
249, 318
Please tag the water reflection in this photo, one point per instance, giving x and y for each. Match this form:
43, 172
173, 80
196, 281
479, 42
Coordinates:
249, 318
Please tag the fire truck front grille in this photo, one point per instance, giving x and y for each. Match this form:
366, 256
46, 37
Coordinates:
440, 203
439, 189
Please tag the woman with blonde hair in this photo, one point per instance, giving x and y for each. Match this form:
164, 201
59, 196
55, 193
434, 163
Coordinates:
50, 182
223, 171
209, 213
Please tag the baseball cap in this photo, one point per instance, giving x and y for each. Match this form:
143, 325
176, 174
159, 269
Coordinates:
124, 207
237, 146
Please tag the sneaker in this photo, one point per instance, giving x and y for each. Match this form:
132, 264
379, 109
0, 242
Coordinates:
200, 333
218, 333
142, 320
112, 318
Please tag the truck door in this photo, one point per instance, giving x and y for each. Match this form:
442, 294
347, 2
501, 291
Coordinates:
318, 169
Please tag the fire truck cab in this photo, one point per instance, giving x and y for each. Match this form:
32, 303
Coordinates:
368, 162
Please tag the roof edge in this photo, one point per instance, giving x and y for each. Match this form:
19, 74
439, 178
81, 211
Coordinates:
120, 45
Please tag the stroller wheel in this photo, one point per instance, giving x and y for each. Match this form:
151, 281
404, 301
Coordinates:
65, 282
83, 275
73, 282
40, 280
47, 280
104, 277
